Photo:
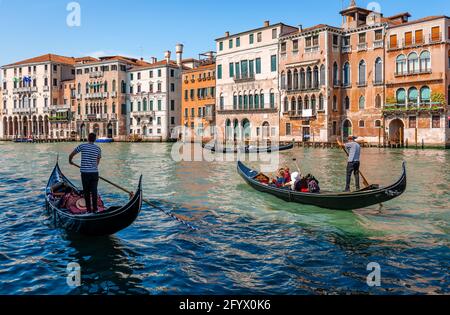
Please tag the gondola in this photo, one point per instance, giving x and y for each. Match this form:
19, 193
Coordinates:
250, 149
108, 222
369, 196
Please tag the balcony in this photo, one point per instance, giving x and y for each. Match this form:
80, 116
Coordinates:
114, 94
378, 82
362, 47
27, 89
378, 44
113, 117
310, 50
79, 96
46, 88
413, 72
59, 119
413, 108
346, 49
96, 74
433, 39
4, 111
210, 117
142, 114
25, 111
65, 107
244, 77
362, 84
295, 114
97, 95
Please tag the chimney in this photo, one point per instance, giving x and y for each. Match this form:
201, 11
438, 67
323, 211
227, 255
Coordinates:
266, 23
153, 60
300, 27
167, 55
179, 51
227, 34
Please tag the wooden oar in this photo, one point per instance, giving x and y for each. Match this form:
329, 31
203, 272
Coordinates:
365, 182
146, 201
298, 167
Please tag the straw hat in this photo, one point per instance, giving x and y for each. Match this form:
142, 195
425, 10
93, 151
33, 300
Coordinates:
81, 204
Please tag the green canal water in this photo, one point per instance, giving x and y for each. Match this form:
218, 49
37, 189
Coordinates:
247, 242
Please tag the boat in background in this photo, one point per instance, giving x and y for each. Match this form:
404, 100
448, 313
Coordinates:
104, 140
250, 149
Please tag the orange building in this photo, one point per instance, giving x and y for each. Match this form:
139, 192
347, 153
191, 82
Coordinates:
198, 103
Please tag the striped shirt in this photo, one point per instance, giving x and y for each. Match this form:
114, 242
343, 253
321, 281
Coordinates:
89, 155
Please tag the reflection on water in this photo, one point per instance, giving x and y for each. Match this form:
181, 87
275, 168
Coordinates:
247, 243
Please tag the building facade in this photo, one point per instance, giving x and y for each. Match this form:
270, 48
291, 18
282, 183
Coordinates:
199, 99
247, 94
155, 98
355, 80
32, 97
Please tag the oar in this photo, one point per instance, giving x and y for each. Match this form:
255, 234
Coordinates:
366, 183
298, 167
147, 202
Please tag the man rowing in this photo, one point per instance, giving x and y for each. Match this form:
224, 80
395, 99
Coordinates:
354, 154
90, 159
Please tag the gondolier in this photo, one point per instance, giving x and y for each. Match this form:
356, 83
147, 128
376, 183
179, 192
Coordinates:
90, 159
354, 153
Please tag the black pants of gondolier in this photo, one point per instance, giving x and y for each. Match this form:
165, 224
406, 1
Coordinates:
352, 167
90, 184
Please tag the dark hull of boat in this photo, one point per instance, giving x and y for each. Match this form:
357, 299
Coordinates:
251, 150
109, 222
335, 201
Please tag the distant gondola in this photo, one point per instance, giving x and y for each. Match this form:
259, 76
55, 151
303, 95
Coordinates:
369, 196
250, 149
108, 222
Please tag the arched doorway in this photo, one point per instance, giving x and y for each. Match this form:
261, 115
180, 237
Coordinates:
347, 129
46, 133
235, 130
109, 131
228, 131
25, 127
5, 127
83, 131
16, 127
246, 129
397, 132
144, 131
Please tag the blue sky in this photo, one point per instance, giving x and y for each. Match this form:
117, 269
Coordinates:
148, 28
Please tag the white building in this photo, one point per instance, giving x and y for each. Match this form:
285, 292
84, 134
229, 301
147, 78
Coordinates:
248, 96
32, 94
154, 98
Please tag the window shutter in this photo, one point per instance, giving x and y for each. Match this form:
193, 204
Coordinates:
408, 38
393, 41
435, 33
419, 37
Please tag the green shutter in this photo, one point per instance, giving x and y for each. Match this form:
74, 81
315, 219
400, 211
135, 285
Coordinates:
219, 71
258, 65
273, 63
231, 65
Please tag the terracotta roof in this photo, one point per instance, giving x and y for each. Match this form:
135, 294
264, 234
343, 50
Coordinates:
45, 58
85, 59
424, 19
157, 64
210, 66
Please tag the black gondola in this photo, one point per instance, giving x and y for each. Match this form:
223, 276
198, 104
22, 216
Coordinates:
250, 149
336, 201
108, 222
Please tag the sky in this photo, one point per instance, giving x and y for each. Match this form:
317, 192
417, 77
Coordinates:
146, 28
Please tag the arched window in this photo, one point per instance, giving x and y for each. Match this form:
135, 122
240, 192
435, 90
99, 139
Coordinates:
316, 77
105, 108
425, 61
334, 103
401, 65
261, 99
105, 86
302, 79
362, 124
362, 73
79, 88
250, 101
286, 105
362, 102
377, 123
139, 106
145, 104
306, 104
256, 100
413, 96
313, 104
240, 101
293, 104
347, 103
234, 101
335, 74
378, 101
321, 102
295, 79
283, 80
401, 96
289, 80
413, 63
299, 104
124, 87
114, 85
87, 87
308, 78
378, 71
346, 74
322, 75
425, 95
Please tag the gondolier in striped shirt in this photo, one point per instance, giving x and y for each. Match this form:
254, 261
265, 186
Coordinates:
90, 159
354, 152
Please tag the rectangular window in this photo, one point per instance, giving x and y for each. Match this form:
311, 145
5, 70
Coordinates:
283, 48
308, 42
435, 34
238, 42
272, 100
172, 105
158, 121
159, 105
151, 74
408, 38
436, 121
172, 120
273, 63
419, 37
274, 33
362, 38
288, 129
334, 130
230, 43
172, 73
172, 87
378, 35
258, 65
259, 37
159, 73
231, 69
220, 46
219, 72
412, 122
251, 38
186, 94
238, 69
393, 41
316, 40
295, 45
244, 68
251, 67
